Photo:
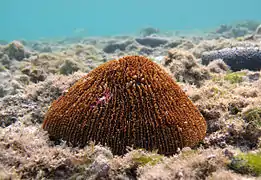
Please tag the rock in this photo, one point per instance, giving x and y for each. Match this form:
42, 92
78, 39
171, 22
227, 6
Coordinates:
253, 76
68, 67
7, 121
174, 44
238, 58
218, 66
151, 41
35, 75
3, 91
213, 120
16, 50
148, 31
113, 46
5, 60
132, 47
8, 85
223, 28
239, 32
184, 67
145, 51
41, 47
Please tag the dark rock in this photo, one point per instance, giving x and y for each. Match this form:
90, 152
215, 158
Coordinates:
35, 75
145, 51
152, 41
254, 76
6, 121
113, 46
213, 120
223, 28
237, 58
174, 44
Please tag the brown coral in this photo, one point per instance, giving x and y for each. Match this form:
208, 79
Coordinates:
126, 102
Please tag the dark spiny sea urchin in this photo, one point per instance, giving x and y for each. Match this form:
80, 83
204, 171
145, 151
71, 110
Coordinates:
126, 102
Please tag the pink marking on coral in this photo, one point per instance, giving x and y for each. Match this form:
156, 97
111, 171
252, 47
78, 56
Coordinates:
104, 99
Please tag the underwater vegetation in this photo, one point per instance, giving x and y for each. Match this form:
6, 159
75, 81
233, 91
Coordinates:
247, 163
235, 77
127, 102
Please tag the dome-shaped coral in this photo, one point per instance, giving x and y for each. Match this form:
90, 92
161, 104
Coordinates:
126, 102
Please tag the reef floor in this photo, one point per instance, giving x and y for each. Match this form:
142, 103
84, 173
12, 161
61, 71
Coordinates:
34, 73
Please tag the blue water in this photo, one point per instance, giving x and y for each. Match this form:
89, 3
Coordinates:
34, 19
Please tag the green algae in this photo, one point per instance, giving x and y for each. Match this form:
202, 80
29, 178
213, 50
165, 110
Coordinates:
147, 159
247, 163
235, 77
253, 116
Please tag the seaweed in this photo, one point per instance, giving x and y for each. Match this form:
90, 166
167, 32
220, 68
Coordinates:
235, 77
247, 163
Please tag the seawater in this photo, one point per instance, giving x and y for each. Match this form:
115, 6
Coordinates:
36, 19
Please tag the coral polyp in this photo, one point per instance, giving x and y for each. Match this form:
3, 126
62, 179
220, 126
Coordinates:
127, 102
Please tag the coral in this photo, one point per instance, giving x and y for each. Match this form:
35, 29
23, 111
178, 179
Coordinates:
184, 67
247, 163
237, 58
126, 102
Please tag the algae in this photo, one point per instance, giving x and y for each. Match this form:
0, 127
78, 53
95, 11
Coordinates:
247, 163
235, 77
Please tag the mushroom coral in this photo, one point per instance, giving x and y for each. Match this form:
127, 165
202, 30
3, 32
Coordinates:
129, 102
